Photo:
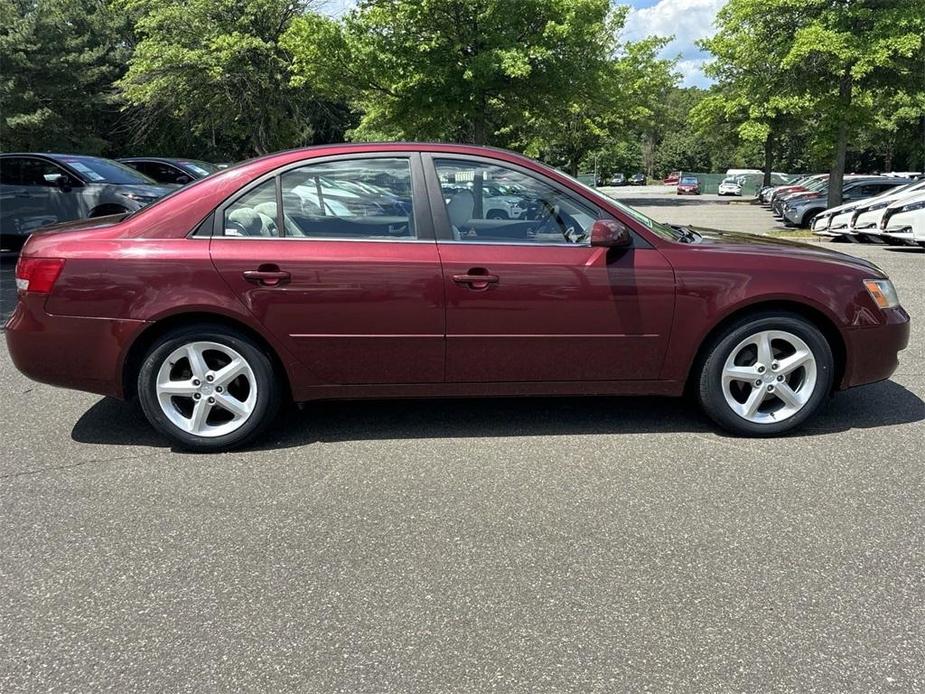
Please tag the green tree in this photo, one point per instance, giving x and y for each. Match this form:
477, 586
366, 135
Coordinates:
58, 61
214, 73
463, 70
626, 96
834, 62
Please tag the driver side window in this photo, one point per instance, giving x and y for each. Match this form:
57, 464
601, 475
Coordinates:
487, 203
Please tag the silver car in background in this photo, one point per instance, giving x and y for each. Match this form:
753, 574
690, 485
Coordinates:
41, 189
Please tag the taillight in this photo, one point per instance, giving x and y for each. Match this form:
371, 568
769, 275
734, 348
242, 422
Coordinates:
37, 275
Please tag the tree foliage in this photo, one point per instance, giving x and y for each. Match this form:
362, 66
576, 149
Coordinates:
58, 62
216, 71
832, 66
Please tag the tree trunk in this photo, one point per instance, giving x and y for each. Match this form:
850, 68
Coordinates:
648, 154
768, 159
837, 171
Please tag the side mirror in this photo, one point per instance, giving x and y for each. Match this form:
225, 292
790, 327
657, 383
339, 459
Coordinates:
609, 233
183, 180
58, 180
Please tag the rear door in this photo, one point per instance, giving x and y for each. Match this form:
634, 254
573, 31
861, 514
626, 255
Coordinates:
347, 275
528, 299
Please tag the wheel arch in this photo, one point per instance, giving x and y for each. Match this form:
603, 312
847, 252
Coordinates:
810, 313
134, 356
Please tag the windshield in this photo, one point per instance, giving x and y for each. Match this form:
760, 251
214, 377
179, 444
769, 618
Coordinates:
689, 180
818, 184
198, 168
97, 170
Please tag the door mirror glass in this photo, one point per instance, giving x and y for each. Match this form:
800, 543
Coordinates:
609, 233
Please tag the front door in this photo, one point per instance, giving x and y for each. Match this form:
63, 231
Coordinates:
528, 299
346, 273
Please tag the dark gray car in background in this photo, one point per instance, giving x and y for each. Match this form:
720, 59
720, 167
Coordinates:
169, 171
41, 189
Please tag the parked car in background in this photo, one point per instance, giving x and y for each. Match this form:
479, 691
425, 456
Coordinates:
171, 171
672, 178
252, 300
37, 190
840, 220
638, 179
904, 220
688, 185
617, 180
731, 185
802, 209
813, 182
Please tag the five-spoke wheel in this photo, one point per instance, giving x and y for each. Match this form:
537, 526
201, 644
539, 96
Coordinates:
208, 387
766, 374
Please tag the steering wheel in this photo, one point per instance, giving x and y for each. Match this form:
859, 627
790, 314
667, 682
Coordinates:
557, 220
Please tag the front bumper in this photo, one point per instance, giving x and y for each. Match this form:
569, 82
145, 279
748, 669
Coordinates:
872, 352
71, 352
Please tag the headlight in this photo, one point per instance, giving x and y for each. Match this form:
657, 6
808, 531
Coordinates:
878, 206
882, 292
912, 206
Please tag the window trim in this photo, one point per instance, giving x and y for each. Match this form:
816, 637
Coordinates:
423, 219
65, 170
442, 225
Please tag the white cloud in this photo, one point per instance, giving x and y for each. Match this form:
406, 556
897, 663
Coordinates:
685, 20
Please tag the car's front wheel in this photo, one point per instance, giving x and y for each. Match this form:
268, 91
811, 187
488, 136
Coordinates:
766, 374
208, 388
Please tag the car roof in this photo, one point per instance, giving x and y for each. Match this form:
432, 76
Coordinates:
54, 156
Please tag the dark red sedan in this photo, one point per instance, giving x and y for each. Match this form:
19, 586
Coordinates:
689, 185
382, 270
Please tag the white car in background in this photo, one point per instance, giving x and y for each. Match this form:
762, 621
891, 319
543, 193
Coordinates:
904, 220
839, 221
731, 185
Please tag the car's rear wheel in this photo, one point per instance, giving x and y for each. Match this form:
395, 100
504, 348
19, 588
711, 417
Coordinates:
208, 388
497, 214
766, 374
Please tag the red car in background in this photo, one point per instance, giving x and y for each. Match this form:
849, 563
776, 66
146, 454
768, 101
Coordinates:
375, 270
688, 185
672, 178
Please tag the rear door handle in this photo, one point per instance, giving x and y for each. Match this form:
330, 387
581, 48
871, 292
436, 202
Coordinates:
477, 278
267, 276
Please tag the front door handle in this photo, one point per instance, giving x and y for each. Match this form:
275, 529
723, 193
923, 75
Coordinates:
477, 278
267, 276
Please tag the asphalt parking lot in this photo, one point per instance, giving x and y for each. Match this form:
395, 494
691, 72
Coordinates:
462, 546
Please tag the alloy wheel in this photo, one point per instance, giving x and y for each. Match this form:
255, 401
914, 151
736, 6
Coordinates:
206, 389
769, 377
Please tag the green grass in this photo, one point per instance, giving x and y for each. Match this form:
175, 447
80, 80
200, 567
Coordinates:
798, 234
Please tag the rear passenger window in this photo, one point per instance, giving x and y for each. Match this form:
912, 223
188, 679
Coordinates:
351, 199
254, 213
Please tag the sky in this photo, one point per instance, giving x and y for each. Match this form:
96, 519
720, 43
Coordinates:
686, 20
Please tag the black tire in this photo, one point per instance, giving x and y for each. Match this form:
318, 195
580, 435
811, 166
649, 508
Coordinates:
497, 214
808, 219
269, 391
709, 380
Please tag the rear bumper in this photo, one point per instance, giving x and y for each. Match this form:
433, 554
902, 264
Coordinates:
80, 353
873, 353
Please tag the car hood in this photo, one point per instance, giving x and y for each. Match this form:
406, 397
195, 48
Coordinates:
735, 242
